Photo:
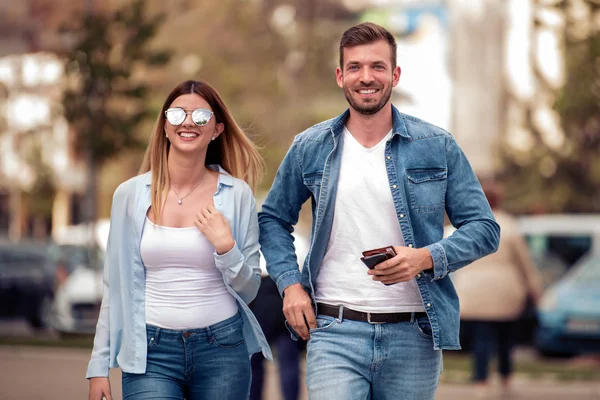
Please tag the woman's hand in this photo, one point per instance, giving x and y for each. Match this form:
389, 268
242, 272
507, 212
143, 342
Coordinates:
99, 389
216, 228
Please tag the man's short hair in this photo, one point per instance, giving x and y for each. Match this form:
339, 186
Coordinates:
366, 33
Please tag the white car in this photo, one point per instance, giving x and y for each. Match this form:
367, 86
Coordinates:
78, 291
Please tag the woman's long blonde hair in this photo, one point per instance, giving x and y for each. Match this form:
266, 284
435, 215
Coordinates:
232, 149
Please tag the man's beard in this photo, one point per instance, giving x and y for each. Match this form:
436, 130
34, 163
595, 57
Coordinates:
370, 108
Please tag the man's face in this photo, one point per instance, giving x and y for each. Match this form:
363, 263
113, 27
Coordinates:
367, 76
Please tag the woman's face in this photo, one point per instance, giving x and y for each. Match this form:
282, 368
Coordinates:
187, 136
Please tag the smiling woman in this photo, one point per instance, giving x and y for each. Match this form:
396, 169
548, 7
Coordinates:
182, 260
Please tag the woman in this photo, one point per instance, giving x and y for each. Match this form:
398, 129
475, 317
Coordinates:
182, 260
493, 293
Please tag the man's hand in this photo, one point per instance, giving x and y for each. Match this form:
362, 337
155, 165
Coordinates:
407, 263
99, 389
298, 310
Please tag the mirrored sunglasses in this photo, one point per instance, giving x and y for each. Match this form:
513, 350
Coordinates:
200, 116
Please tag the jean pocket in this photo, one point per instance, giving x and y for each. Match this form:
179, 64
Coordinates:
427, 189
324, 322
423, 326
229, 337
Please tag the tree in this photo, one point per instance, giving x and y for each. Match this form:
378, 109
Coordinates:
563, 177
107, 95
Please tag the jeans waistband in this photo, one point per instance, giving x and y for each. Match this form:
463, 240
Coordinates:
156, 331
373, 318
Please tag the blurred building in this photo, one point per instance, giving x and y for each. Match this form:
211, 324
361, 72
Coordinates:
42, 179
36, 148
34, 135
470, 67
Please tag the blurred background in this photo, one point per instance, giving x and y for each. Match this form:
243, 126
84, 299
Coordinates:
517, 82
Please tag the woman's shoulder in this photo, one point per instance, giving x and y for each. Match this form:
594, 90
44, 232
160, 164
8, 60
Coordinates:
131, 185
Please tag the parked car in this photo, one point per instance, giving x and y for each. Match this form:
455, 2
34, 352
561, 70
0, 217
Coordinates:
557, 242
26, 277
78, 293
569, 312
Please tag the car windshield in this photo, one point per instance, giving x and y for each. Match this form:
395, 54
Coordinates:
589, 270
556, 254
72, 256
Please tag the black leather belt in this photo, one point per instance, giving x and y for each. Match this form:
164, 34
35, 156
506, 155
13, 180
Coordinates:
373, 318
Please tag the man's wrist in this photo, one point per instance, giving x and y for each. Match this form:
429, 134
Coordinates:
293, 286
427, 260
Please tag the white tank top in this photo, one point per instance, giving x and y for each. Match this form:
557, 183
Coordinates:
184, 288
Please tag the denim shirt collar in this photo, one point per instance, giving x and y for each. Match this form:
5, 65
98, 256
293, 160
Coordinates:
399, 127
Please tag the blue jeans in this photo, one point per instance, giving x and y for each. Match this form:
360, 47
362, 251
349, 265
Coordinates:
205, 363
357, 360
491, 337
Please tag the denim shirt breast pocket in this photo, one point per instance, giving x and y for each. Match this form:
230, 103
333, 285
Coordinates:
427, 189
312, 181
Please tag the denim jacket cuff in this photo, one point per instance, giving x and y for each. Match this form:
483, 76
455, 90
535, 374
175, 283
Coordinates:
440, 263
287, 279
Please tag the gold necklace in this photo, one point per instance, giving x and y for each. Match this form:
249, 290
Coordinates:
180, 199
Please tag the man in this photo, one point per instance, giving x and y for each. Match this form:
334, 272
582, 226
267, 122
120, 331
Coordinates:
376, 178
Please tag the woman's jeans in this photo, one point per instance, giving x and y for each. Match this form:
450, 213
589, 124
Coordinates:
358, 360
205, 363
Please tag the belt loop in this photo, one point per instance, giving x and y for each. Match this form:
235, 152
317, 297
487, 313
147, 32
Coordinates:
341, 314
157, 335
412, 317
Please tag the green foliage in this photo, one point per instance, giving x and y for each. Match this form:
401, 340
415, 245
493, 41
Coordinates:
564, 178
106, 98
40, 197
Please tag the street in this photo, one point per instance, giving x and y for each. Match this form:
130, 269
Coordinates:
59, 373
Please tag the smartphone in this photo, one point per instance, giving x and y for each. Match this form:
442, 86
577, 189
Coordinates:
375, 256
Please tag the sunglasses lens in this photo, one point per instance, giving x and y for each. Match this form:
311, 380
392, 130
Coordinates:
175, 116
201, 117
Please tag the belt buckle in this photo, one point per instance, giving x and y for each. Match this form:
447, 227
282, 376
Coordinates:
371, 322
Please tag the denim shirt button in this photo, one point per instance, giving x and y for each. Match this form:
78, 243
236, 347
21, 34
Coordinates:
428, 305
394, 186
401, 215
389, 157
410, 245
418, 275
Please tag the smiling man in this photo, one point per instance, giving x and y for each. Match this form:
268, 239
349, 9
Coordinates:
379, 180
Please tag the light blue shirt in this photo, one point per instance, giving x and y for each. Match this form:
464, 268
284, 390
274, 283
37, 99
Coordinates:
120, 339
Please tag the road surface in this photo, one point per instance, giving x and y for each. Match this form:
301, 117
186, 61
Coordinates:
58, 373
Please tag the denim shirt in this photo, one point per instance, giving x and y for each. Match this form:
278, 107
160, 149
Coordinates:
120, 339
427, 173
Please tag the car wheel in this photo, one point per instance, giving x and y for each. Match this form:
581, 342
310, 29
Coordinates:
41, 316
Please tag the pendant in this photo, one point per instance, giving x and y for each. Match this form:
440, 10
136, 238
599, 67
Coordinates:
179, 201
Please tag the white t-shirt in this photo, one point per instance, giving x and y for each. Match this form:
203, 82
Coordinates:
184, 288
364, 218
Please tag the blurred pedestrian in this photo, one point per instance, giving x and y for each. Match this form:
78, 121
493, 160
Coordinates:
182, 260
493, 294
267, 307
376, 178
